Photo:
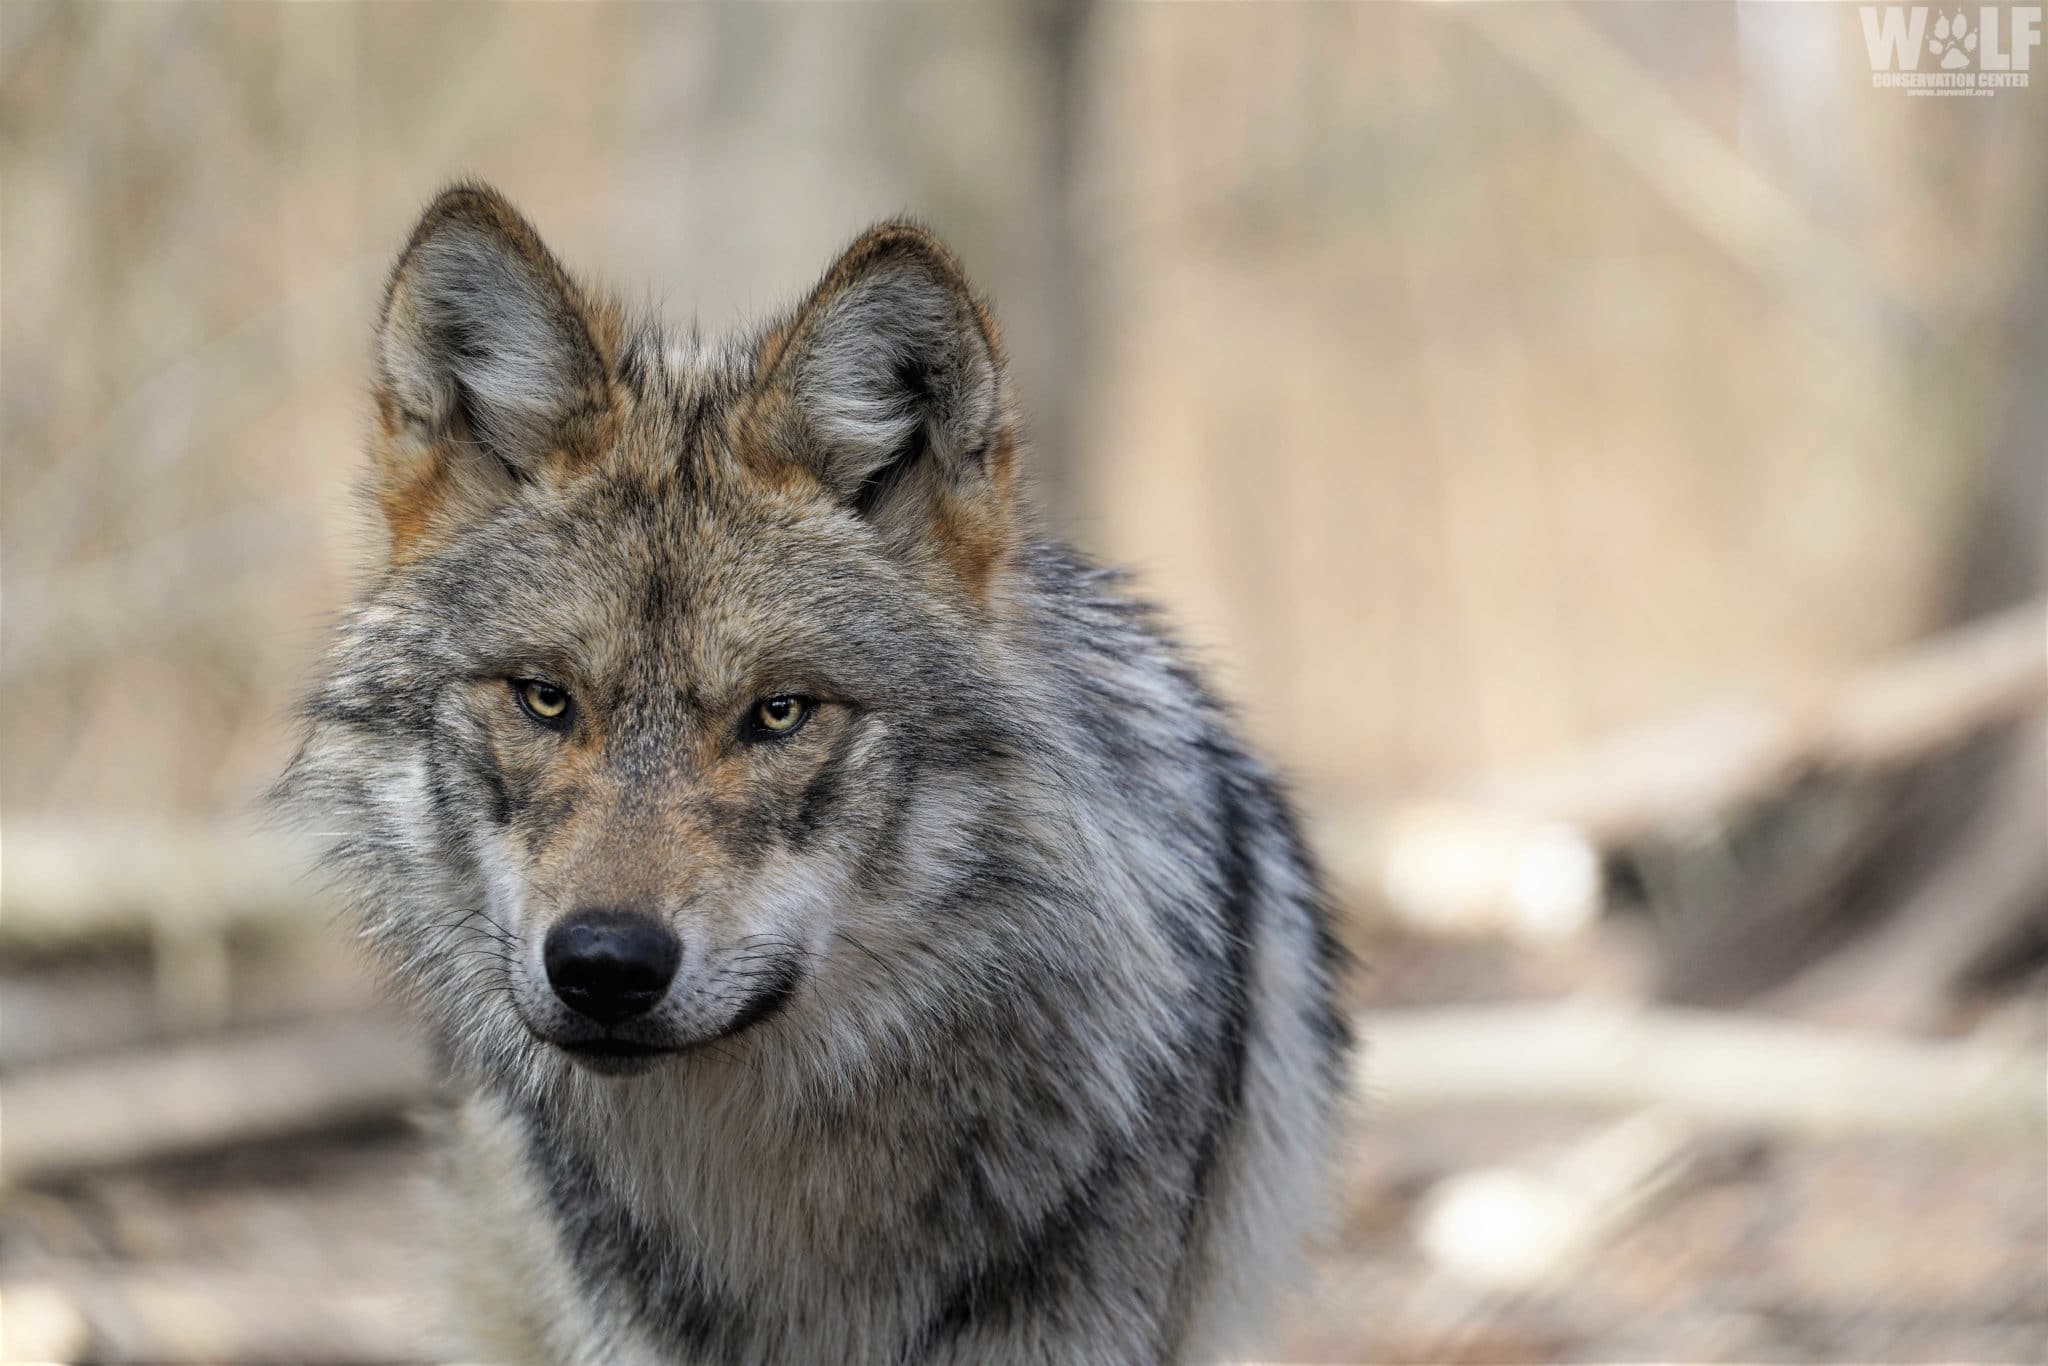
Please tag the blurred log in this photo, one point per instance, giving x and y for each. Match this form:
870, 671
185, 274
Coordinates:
1992, 885
50, 1015
1455, 868
1723, 1069
1896, 711
164, 1102
215, 1314
70, 883
52, 1012
1514, 853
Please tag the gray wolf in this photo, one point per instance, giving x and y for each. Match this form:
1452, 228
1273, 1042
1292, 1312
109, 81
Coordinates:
851, 930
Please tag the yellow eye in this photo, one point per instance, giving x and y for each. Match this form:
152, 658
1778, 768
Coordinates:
775, 716
544, 702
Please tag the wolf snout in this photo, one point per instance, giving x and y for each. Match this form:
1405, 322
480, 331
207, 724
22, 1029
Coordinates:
611, 965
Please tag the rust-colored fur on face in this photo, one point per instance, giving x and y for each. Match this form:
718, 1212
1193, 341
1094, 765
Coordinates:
853, 932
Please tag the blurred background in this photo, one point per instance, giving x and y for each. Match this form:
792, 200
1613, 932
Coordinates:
1600, 448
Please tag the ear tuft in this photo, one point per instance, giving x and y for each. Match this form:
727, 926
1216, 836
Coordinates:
888, 387
484, 337
895, 363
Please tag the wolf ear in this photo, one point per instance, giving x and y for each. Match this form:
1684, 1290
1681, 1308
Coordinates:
888, 386
488, 373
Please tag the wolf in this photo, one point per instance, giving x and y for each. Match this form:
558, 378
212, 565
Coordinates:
851, 930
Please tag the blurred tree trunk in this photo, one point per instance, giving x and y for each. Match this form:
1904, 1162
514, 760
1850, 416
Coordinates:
1060, 32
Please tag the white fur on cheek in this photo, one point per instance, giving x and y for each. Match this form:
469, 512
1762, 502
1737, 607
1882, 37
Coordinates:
504, 888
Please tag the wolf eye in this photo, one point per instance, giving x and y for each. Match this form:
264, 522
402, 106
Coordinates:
544, 702
775, 717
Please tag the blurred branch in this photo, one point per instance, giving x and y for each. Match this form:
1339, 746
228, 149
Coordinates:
1692, 170
1722, 1068
236, 1089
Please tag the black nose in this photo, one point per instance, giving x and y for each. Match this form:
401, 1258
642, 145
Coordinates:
610, 965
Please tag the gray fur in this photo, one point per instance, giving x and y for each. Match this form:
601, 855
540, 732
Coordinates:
1059, 1075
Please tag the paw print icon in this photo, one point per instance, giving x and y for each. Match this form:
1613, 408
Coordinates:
1953, 41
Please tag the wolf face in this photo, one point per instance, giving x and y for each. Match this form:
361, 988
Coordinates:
858, 934
666, 636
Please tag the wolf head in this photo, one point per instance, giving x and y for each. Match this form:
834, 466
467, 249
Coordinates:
677, 653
